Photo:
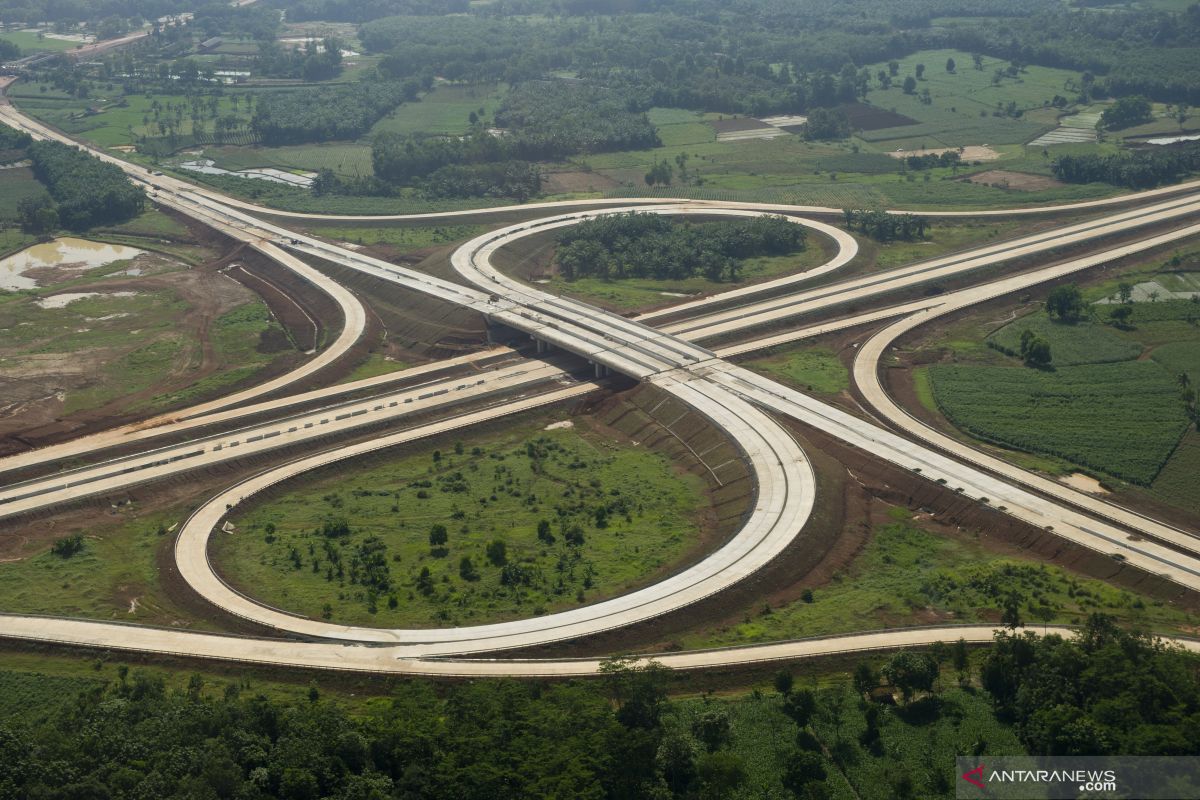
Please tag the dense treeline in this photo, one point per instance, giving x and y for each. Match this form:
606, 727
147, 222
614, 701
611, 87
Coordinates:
36, 11
551, 119
517, 179
13, 139
476, 741
86, 191
1108, 691
330, 112
365, 10
884, 227
542, 121
653, 246
1138, 170
317, 60
702, 54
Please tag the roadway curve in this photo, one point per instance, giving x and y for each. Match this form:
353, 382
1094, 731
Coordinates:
391, 661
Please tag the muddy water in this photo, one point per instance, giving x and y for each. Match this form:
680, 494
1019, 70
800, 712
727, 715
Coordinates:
65, 252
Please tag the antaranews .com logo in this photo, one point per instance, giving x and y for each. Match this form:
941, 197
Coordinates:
1068, 778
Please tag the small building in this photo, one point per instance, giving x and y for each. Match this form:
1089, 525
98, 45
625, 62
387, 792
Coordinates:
208, 45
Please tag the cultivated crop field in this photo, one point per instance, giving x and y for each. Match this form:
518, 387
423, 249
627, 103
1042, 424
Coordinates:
1085, 342
366, 548
1122, 419
963, 101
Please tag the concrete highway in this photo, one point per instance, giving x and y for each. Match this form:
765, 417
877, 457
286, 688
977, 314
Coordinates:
387, 660
733, 399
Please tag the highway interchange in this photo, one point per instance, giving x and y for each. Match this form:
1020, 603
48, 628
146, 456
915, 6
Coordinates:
745, 405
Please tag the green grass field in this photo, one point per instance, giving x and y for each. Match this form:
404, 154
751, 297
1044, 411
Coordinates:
346, 159
16, 185
30, 42
115, 577
813, 369
634, 512
373, 366
443, 111
963, 101
630, 294
401, 238
907, 575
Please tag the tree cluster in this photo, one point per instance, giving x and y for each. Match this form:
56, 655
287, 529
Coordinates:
1138, 170
86, 191
884, 227
653, 246
950, 158
827, 123
543, 120
1107, 691
366, 10
317, 60
1125, 113
344, 111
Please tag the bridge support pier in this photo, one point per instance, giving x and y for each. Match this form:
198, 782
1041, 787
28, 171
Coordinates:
601, 370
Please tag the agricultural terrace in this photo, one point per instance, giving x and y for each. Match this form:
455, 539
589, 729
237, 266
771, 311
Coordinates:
531, 521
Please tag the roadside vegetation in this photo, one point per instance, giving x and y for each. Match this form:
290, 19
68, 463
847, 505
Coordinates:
504, 526
909, 574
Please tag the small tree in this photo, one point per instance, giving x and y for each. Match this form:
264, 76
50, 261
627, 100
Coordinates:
865, 678
1065, 302
68, 546
1010, 614
911, 672
910, 85
438, 536
784, 682
893, 68
977, 59
497, 552
962, 660
950, 65
466, 569
800, 705
543, 532
920, 71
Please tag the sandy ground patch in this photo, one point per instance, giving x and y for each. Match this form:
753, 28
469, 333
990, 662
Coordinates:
1084, 483
1021, 181
975, 152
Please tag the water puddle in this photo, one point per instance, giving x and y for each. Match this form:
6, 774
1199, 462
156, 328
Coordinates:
66, 298
67, 252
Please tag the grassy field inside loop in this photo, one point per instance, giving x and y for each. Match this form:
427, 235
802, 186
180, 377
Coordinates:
507, 525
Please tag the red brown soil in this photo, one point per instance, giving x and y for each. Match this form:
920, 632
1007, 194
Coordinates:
1021, 181
733, 124
576, 181
869, 118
